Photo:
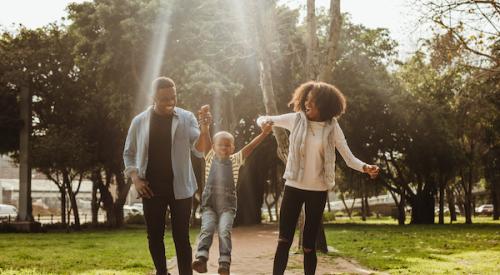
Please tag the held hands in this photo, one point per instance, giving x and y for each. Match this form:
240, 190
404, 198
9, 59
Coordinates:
371, 170
204, 117
267, 127
142, 188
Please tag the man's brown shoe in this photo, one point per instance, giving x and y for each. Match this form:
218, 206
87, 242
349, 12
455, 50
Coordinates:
200, 265
223, 268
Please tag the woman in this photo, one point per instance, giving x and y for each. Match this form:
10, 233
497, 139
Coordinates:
310, 169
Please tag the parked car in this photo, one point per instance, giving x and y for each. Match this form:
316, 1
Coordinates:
132, 210
138, 205
486, 209
7, 210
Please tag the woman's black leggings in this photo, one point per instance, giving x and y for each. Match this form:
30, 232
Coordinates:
293, 199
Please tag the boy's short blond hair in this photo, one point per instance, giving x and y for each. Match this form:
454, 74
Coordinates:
223, 134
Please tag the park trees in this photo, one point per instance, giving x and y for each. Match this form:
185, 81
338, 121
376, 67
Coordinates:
419, 120
40, 60
111, 49
442, 96
10, 121
473, 25
471, 29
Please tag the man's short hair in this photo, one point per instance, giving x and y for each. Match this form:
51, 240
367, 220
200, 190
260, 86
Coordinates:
162, 82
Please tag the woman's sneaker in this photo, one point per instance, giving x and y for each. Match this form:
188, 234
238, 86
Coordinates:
223, 268
200, 265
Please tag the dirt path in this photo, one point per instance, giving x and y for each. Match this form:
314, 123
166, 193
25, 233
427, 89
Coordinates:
253, 253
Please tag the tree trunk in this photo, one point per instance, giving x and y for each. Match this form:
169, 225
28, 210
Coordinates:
72, 199
400, 205
74, 208
363, 208
96, 181
347, 209
451, 204
328, 66
495, 198
94, 204
107, 200
468, 208
311, 42
361, 187
492, 176
265, 72
401, 208
271, 109
467, 186
63, 204
122, 189
68, 214
367, 206
441, 202
422, 211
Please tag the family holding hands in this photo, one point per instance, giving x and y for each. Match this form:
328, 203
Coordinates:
157, 157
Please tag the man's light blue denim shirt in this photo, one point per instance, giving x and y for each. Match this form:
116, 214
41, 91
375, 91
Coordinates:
185, 134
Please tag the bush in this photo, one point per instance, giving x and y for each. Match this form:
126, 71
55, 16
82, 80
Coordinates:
56, 226
6, 228
356, 213
328, 216
340, 214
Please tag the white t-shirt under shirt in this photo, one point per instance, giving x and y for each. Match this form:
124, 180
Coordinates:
313, 179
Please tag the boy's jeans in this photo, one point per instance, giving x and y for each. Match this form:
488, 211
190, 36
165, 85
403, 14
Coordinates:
223, 221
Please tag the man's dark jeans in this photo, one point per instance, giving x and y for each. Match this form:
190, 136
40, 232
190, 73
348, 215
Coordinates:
154, 213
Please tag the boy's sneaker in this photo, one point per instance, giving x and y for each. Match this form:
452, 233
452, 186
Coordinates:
223, 268
200, 265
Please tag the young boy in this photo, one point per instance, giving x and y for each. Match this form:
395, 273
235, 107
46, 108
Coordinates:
218, 202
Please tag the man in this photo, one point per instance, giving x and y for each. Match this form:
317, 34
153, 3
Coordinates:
157, 158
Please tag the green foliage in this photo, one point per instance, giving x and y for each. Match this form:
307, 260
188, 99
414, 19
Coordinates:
112, 44
41, 61
328, 216
443, 127
425, 121
361, 74
10, 123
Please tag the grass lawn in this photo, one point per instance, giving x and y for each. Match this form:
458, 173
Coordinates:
90, 252
379, 244
419, 249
